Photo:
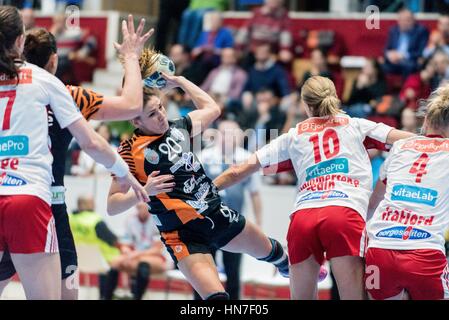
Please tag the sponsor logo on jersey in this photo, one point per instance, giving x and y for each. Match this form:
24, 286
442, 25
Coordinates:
327, 182
428, 146
9, 163
14, 146
339, 165
406, 216
318, 125
199, 205
405, 233
178, 135
190, 184
323, 195
25, 77
414, 194
188, 161
152, 156
7, 180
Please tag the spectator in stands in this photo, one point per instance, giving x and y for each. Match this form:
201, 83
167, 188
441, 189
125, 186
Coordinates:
143, 254
74, 45
28, 18
318, 67
192, 19
439, 38
270, 24
409, 121
367, 89
228, 79
405, 45
225, 152
88, 228
169, 11
86, 165
180, 55
265, 117
265, 73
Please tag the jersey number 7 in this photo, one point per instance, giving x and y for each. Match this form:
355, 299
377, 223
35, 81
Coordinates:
419, 167
11, 96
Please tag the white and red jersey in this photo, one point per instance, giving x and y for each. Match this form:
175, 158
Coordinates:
330, 160
25, 158
415, 209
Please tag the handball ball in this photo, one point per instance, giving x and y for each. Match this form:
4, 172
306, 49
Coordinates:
162, 64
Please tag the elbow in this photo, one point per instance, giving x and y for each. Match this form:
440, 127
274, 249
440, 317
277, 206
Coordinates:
216, 111
111, 210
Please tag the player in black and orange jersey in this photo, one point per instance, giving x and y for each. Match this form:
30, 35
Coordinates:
41, 50
191, 218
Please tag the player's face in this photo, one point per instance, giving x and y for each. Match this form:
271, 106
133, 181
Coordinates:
154, 117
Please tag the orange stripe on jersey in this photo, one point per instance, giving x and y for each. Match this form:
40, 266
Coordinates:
88, 102
319, 124
428, 146
25, 77
184, 212
133, 152
179, 248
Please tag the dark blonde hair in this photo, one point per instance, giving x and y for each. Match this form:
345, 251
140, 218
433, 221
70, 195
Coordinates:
320, 95
437, 116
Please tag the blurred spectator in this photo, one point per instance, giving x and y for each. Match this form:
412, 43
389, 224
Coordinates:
86, 165
270, 24
143, 254
439, 38
437, 70
74, 45
266, 117
228, 79
319, 66
192, 19
405, 45
28, 18
180, 56
89, 228
226, 152
408, 120
169, 11
367, 89
265, 73
206, 53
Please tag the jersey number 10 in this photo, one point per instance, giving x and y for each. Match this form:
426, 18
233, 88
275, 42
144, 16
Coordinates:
328, 136
11, 96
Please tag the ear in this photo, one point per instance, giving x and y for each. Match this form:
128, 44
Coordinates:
136, 122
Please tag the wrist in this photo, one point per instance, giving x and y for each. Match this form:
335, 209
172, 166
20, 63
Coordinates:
131, 56
120, 169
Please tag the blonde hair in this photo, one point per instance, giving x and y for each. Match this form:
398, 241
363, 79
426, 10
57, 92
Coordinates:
437, 116
320, 95
147, 61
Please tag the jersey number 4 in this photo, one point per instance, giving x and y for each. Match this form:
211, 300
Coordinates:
419, 167
11, 96
328, 136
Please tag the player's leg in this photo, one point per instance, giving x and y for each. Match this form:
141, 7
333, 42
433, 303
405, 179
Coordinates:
7, 270
67, 251
31, 239
201, 272
303, 283
241, 236
348, 272
38, 272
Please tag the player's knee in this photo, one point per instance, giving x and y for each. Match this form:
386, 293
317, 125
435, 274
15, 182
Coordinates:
218, 296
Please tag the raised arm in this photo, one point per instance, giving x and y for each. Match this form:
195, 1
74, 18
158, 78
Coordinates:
208, 110
129, 104
237, 173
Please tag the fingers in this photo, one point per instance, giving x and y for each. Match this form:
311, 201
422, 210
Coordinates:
166, 186
153, 174
125, 32
117, 46
140, 27
147, 35
131, 24
162, 179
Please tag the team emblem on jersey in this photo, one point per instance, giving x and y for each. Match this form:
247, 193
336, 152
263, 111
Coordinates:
152, 156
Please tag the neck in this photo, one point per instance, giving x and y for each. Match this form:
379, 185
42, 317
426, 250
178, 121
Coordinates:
434, 132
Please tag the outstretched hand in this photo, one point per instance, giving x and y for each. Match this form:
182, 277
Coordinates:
133, 41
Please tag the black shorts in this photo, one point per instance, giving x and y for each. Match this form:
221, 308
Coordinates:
204, 235
67, 250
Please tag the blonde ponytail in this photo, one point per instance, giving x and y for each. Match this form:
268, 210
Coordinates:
438, 108
320, 95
